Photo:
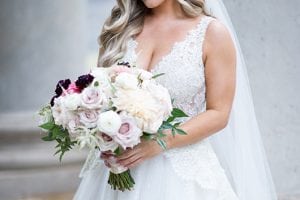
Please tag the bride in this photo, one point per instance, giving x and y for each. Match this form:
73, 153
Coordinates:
221, 157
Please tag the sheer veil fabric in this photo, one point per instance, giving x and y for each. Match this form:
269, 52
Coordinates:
239, 146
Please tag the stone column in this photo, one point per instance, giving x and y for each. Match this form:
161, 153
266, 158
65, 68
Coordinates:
41, 42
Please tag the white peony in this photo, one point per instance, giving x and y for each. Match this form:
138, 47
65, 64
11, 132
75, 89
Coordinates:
93, 98
72, 101
129, 133
141, 105
89, 118
109, 122
161, 94
126, 81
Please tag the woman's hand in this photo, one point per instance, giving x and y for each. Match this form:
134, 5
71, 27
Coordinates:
143, 151
131, 157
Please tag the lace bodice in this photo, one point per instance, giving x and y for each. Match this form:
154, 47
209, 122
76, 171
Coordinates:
185, 79
183, 68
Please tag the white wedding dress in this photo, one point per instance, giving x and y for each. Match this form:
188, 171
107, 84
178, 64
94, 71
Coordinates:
192, 172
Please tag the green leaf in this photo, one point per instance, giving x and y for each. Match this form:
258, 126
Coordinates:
176, 112
176, 124
56, 131
171, 118
147, 136
158, 75
173, 132
47, 138
47, 126
96, 84
160, 134
162, 143
118, 151
180, 131
166, 125
172, 101
59, 150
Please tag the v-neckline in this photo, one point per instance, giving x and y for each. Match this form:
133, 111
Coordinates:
173, 46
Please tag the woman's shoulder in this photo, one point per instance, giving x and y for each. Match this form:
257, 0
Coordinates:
217, 32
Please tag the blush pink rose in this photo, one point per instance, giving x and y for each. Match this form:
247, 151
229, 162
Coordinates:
129, 133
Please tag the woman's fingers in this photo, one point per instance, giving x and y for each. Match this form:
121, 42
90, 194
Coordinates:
134, 163
104, 156
129, 160
127, 154
107, 164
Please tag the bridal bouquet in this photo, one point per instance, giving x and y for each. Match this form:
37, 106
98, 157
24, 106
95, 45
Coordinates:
110, 109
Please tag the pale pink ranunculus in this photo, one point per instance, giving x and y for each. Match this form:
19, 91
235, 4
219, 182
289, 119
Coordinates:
93, 98
129, 133
89, 118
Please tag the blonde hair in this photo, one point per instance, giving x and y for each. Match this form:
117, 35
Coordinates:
125, 21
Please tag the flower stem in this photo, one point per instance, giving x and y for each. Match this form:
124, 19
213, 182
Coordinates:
122, 182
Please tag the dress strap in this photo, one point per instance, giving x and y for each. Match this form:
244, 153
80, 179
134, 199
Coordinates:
203, 27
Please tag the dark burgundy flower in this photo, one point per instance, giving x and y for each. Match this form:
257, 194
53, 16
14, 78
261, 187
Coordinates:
52, 100
58, 90
84, 81
62, 83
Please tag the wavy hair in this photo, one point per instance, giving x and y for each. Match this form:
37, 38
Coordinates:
127, 20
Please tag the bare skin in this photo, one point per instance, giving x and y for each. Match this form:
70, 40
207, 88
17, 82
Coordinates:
166, 25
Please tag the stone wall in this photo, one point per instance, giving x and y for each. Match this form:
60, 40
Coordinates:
269, 34
41, 42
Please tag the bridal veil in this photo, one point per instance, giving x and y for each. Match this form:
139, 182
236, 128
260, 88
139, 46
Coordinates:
239, 146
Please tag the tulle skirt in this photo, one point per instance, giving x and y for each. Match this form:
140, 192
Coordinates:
155, 179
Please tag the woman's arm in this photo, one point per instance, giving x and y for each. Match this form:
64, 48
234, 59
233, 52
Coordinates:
220, 66
220, 62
